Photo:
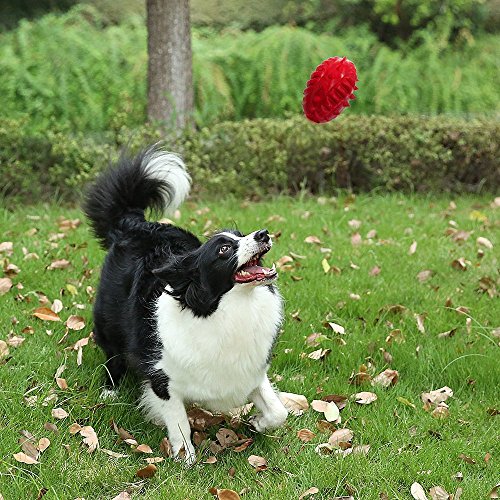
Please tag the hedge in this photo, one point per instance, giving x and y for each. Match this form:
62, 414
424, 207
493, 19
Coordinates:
267, 156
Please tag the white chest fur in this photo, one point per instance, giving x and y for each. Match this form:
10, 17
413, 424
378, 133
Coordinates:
217, 361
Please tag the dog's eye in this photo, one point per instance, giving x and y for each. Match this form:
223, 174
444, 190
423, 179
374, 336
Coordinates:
224, 249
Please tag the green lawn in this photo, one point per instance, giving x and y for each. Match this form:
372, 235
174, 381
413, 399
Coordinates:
407, 444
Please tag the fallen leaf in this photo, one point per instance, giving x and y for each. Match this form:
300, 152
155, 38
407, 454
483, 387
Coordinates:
413, 248
75, 323
226, 437
467, 459
311, 491
90, 438
340, 436
365, 398
4, 349
143, 448
257, 462
325, 265
448, 334
74, 428
484, 242
386, 378
25, 459
59, 264
336, 328
49, 426
459, 264
420, 318
354, 224
210, 460
418, 492
113, 454
14, 341
7, 247
5, 285
313, 240
305, 435
57, 306
227, 495
424, 275
439, 493
166, 448
123, 495
494, 492
436, 397
59, 413
43, 444
61, 383
154, 460
356, 239
375, 271
328, 408
319, 354
146, 472
296, 404
46, 314
441, 411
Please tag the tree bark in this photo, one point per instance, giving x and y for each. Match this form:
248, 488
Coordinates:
170, 72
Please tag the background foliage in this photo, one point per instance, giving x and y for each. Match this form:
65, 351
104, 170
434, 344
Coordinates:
259, 157
237, 74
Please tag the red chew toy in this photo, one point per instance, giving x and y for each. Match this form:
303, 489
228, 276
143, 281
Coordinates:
329, 89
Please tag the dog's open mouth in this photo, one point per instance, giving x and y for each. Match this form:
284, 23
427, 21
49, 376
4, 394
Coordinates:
253, 270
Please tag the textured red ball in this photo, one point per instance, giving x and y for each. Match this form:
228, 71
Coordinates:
329, 89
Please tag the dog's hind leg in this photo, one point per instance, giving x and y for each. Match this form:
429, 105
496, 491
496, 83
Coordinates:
167, 409
273, 412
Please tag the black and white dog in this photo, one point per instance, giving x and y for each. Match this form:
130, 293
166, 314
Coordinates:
196, 321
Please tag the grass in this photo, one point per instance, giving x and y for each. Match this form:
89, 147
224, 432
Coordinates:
407, 444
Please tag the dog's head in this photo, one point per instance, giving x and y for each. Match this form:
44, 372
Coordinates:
228, 259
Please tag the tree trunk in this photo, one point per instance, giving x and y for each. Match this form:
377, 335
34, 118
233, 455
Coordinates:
170, 72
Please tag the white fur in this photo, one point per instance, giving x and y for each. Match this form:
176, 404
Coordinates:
170, 168
219, 362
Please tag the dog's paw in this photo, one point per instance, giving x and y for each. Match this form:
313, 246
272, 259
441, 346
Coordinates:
263, 422
186, 454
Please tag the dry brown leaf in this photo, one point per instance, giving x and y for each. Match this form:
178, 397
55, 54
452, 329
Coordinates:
484, 242
57, 306
494, 493
7, 247
15, 341
436, 397
4, 349
365, 397
143, 448
166, 448
154, 460
74, 428
311, 491
49, 426
375, 271
413, 248
439, 493
296, 404
59, 264
313, 240
25, 459
305, 435
46, 314
61, 383
386, 378
319, 354
90, 438
328, 408
441, 411
315, 339
459, 264
43, 444
123, 495
146, 472
335, 327
340, 436
259, 463
5, 285
59, 413
75, 323
417, 492
226, 437
356, 239
227, 495
424, 275
200, 419
420, 318
467, 459
210, 460
113, 454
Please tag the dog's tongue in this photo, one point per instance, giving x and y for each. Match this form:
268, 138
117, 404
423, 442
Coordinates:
252, 273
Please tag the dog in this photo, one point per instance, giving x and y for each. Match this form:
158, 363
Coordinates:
196, 321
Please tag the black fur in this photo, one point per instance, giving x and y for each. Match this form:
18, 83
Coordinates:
142, 257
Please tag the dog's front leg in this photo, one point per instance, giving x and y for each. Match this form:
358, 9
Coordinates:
169, 411
266, 400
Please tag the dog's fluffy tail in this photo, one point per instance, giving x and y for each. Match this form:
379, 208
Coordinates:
153, 179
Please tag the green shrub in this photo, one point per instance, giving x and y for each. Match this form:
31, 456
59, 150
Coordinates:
264, 156
73, 71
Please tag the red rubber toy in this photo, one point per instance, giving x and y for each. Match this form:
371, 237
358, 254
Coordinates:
329, 89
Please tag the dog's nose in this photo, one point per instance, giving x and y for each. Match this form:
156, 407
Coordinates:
262, 236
